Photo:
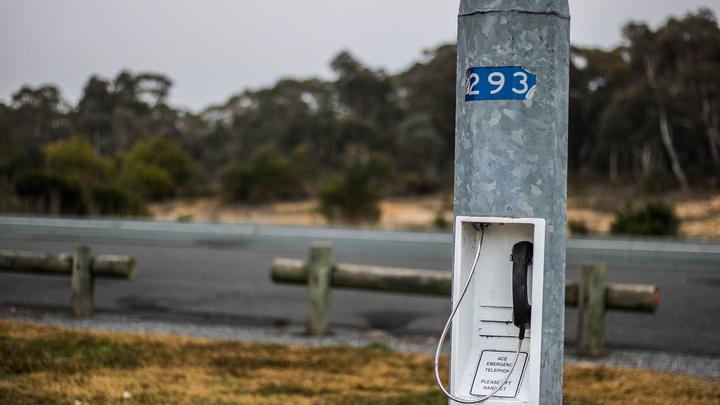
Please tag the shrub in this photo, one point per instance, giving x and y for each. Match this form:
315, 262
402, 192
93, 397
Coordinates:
440, 222
15, 163
656, 219
267, 176
113, 199
416, 184
9, 202
656, 182
354, 196
161, 152
578, 228
149, 181
53, 193
58, 194
74, 157
76, 180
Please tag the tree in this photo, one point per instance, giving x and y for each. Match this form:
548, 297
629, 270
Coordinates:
290, 114
95, 110
679, 64
37, 115
119, 112
365, 93
429, 94
595, 78
419, 155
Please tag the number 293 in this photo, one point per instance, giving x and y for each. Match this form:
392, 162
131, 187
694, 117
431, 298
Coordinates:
499, 83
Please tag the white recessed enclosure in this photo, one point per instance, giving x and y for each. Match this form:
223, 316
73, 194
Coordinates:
484, 337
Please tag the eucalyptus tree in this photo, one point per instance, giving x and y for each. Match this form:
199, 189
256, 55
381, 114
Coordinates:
679, 64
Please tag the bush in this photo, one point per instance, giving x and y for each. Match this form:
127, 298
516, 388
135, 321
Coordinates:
578, 228
13, 164
267, 176
113, 199
161, 152
416, 184
354, 196
77, 181
149, 181
74, 157
50, 192
57, 194
656, 219
440, 222
656, 182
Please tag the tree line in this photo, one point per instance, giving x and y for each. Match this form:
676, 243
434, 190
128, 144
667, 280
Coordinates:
645, 113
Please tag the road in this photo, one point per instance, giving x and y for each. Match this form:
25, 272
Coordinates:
221, 272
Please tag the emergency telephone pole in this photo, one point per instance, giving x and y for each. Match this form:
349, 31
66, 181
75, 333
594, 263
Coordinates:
511, 137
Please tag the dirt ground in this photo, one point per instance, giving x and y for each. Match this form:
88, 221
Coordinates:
699, 212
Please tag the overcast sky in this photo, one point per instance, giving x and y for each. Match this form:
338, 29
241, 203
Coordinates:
214, 48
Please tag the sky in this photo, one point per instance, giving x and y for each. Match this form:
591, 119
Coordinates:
214, 48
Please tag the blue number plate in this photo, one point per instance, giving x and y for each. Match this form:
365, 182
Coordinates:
499, 83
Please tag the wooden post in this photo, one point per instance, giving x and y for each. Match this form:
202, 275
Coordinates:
319, 275
83, 282
591, 311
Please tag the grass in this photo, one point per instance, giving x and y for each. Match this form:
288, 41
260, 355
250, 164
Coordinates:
50, 365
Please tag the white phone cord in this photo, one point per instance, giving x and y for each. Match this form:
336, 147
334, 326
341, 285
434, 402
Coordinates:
447, 327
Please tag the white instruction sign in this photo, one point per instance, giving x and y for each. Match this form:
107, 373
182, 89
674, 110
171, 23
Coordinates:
492, 369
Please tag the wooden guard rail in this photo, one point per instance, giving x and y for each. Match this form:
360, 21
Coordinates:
81, 266
592, 294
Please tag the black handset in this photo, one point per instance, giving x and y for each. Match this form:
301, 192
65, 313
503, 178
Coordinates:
522, 253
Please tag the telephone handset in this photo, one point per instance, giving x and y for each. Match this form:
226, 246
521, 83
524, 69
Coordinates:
522, 253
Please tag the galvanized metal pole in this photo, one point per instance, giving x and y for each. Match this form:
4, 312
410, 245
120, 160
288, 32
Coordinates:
511, 154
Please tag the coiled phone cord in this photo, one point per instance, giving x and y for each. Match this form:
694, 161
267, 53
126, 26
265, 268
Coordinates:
447, 327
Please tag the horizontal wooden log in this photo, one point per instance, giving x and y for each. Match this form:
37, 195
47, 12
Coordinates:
36, 262
621, 296
367, 277
286, 270
106, 266
632, 297
629, 297
114, 266
426, 282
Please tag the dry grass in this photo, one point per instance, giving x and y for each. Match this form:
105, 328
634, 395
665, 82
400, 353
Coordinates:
405, 213
41, 364
699, 212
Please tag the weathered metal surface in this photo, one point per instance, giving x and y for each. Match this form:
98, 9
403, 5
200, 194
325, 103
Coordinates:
510, 155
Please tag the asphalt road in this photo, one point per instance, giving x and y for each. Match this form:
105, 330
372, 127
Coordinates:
221, 273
